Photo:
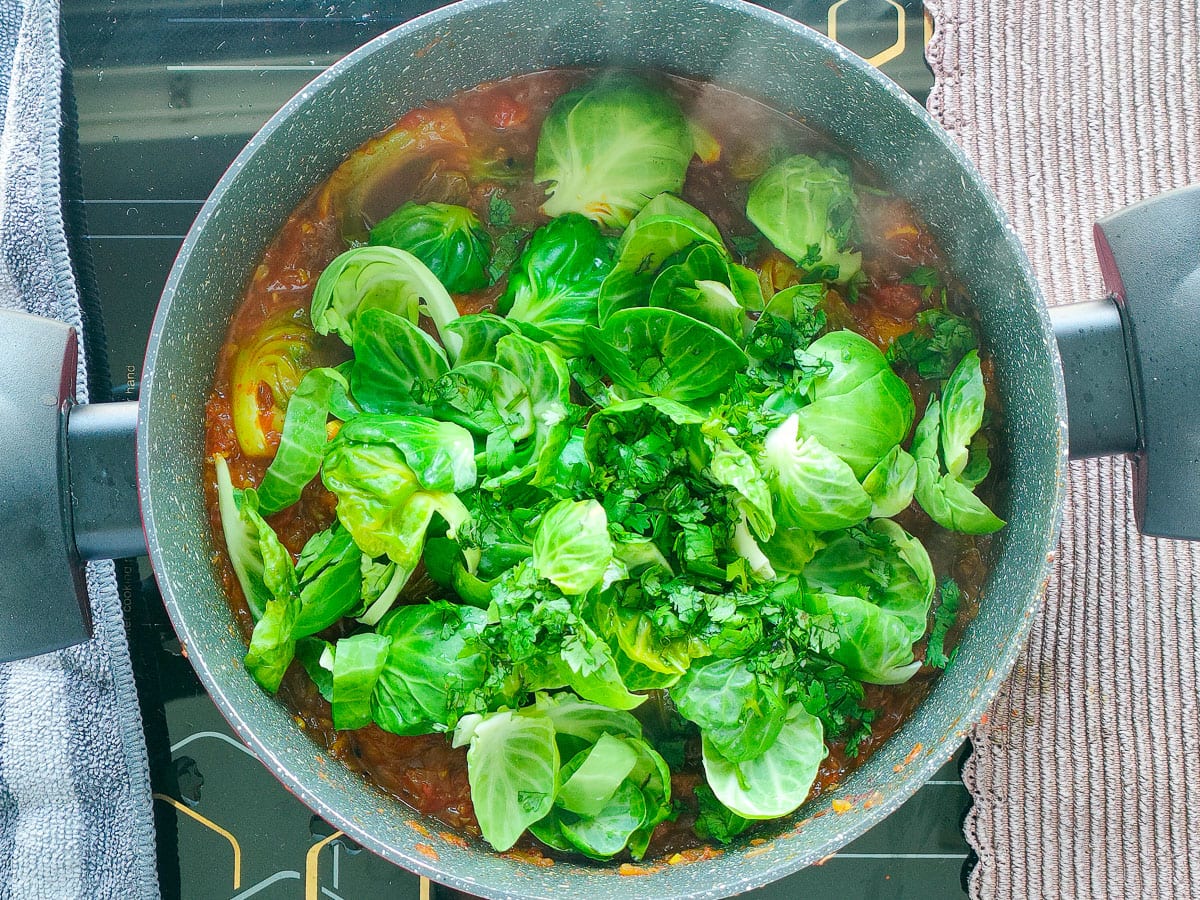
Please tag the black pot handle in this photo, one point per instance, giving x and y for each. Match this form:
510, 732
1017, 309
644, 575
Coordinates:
1132, 361
68, 489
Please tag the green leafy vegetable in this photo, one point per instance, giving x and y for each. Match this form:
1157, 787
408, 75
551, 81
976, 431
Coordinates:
538, 638
814, 489
272, 644
499, 211
440, 454
860, 408
396, 364
892, 483
653, 776
591, 779
664, 227
660, 352
331, 580
357, 664
732, 467
962, 412
302, 443
612, 794
487, 398
874, 645
272, 361
715, 821
512, 766
707, 286
553, 288
776, 782
609, 147
881, 563
431, 668
585, 721
571, 547
745, 244
806, 209
943, 620
548, 386
391, 474
310, 651
480, 333
241, 532
935, 346
506, 249
381, 278
947, 428
800, 307
447, 565
790, 549
605, 834
448, 239
739, 713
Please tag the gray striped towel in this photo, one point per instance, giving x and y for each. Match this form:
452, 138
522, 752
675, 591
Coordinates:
75, 813
1086, 776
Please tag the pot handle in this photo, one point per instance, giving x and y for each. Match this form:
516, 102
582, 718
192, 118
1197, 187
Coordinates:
68, 489
1131, 361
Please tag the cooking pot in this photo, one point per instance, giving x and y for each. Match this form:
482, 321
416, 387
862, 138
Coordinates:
68, 491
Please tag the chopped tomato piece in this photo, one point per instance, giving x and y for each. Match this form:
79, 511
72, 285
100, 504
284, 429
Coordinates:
900, 301
507, 112
427, 127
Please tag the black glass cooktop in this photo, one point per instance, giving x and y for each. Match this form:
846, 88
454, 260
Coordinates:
167, 94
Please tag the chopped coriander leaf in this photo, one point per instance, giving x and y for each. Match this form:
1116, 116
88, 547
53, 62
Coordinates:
500, 211
506, 249
745, 244
926, 278
855, 285
589, 382
742, 411
778, 344
943, 621
715, 821
935, 346
836, 699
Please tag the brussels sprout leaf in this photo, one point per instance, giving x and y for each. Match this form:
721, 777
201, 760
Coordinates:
448, 239
777, 781
357, 663
609, 147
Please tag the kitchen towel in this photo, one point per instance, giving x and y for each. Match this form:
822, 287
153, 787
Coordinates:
1086, 773
75, 807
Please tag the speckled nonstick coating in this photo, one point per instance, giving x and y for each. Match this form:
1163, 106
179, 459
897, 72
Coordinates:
750, 50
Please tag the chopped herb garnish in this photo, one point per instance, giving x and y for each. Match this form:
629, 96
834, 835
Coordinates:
935, 346
500, 211
715, 821
746, 244
943, 620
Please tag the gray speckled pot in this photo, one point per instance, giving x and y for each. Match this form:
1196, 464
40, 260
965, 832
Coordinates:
751, 50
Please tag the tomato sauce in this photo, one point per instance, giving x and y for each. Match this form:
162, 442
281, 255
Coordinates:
464, 151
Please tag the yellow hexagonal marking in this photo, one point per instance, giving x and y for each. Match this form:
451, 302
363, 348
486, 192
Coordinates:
312, 866
883, 56
214, 827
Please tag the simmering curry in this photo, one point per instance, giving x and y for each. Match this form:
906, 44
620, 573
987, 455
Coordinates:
595, 458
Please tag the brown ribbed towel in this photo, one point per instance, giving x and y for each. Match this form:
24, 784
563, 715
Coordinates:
1086, 774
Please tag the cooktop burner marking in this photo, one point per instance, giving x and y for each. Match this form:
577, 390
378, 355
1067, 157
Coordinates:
179, 745
208, 823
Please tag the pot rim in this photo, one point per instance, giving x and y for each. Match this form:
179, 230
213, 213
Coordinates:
914, 776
